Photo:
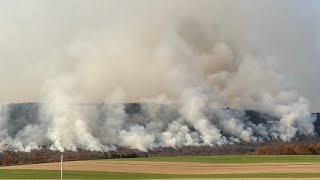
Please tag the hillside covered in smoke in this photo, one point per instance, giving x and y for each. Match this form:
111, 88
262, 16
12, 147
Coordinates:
183, 61
139, 126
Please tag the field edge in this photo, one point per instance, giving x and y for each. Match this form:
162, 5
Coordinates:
54, 174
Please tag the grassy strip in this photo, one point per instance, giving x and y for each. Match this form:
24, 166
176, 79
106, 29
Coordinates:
49, 174
231, 159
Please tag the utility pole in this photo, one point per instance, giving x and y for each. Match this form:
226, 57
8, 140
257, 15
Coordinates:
62, 167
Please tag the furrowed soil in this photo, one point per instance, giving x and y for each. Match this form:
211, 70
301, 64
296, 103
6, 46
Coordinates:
177, 167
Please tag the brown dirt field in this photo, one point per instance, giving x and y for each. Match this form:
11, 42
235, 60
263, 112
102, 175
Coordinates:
176, 167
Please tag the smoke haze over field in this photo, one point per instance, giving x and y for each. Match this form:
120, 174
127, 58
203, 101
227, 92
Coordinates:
201, 56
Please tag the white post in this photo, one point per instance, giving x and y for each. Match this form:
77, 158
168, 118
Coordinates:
61, 167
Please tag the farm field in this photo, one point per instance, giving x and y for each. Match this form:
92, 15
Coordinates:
235, 167
231, 159
52, 174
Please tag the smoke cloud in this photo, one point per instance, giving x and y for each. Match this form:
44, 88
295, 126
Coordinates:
186, 61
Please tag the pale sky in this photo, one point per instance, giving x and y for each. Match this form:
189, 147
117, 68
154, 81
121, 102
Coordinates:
35, 34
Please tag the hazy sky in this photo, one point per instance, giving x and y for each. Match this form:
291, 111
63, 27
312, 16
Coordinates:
42, 38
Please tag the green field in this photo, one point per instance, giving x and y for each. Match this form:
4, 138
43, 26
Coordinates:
232, 159
50, 174
45, 174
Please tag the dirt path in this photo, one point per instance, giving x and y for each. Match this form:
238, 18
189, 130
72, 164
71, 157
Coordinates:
177, 167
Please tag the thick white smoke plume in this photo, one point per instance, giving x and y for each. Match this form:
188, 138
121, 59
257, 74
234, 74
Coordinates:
185, 61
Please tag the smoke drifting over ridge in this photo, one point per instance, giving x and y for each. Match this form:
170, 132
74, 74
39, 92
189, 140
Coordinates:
197, 57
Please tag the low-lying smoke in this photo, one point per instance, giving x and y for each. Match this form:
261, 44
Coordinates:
187, 60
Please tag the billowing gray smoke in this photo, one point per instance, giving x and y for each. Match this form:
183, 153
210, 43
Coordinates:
195, 57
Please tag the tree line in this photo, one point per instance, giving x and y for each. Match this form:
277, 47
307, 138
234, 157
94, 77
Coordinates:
304, 146
289, 149
10, 157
